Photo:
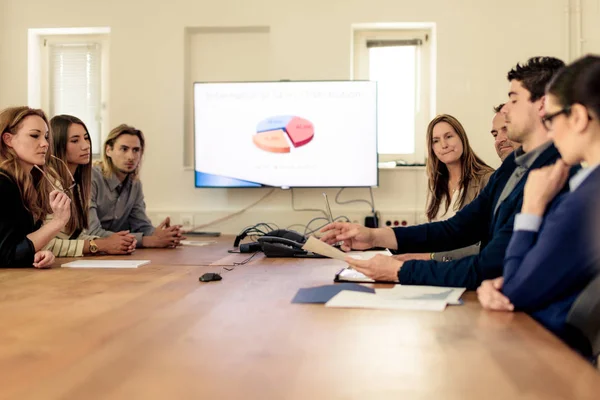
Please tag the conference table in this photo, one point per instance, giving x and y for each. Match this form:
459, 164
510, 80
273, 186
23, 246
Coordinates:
156, 332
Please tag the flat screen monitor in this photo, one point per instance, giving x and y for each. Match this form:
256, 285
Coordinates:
285, 134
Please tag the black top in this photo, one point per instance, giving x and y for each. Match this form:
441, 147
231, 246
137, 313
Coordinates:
16, 250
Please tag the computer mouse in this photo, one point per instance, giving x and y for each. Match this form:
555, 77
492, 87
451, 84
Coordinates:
210, 276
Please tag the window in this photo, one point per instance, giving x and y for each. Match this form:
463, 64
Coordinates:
74, 85
68, 74
399, 61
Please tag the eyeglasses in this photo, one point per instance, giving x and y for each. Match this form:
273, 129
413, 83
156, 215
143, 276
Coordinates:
548, 118
70, 188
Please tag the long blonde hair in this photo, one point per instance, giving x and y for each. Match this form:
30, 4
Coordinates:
108, 168
472, 167
34, 189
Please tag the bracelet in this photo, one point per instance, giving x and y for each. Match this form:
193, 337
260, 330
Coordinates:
432, 255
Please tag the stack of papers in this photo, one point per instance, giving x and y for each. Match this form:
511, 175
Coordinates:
431, 298
105, 264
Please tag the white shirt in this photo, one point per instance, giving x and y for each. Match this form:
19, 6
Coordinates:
444, 214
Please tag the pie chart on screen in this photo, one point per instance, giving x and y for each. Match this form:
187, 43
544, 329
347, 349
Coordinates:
282, 134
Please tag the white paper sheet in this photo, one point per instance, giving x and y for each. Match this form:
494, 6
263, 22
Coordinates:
350, 299
414, 292
316, 246
105, 264
195, 243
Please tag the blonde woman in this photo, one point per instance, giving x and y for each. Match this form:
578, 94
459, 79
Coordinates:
27, 195
455, 173
456, 176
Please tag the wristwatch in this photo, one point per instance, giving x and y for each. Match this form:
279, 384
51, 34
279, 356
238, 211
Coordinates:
93, 247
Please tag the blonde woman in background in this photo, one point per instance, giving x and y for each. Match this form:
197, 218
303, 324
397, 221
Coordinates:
456, 175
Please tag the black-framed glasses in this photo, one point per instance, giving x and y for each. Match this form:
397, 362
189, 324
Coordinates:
548, 118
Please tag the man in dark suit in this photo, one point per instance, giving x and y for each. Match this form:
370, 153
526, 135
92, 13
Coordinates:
487, 219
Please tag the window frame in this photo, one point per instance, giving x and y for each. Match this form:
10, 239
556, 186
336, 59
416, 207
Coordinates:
425, 93
44, 43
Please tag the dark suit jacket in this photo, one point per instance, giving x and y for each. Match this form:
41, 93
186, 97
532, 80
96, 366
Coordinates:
545, 271
476, 222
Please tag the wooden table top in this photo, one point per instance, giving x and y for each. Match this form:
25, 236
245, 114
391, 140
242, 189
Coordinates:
156, 332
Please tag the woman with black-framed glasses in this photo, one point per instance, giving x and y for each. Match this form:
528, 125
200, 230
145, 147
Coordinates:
25, 196
71, 162
553, 253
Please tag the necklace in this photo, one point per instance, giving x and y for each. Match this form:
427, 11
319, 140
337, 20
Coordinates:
453, 187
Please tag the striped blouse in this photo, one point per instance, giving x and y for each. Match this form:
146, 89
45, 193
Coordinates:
65, 246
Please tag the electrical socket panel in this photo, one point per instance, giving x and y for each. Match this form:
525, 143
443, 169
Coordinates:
186, 220
393, 220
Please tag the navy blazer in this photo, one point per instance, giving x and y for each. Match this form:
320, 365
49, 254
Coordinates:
545, 271
476, 222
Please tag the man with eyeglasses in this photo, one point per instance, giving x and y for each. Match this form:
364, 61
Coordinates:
489, 218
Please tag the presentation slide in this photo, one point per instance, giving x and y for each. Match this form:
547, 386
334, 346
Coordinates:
286, 134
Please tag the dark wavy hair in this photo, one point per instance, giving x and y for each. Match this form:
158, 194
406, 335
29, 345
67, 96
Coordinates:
578, 83
535, 74
83, 175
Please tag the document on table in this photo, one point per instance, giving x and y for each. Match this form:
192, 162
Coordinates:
400, 297
105, 264
318, 247
348, 299
414, 292
196, 243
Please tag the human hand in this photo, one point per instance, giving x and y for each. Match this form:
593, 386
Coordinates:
379, 268
354, 236
60, 204
118, 243
542, 186
165, 224
43, 259
490, 296
165, 237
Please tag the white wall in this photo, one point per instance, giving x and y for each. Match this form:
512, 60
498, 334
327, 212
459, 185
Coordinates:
478, 42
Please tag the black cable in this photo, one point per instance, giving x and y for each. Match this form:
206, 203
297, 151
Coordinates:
303, 226
335, 219
253, 231
313, 220
306, 209
235, 264
371, 204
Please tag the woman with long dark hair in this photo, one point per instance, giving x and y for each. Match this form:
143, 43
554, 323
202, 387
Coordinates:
71, 162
